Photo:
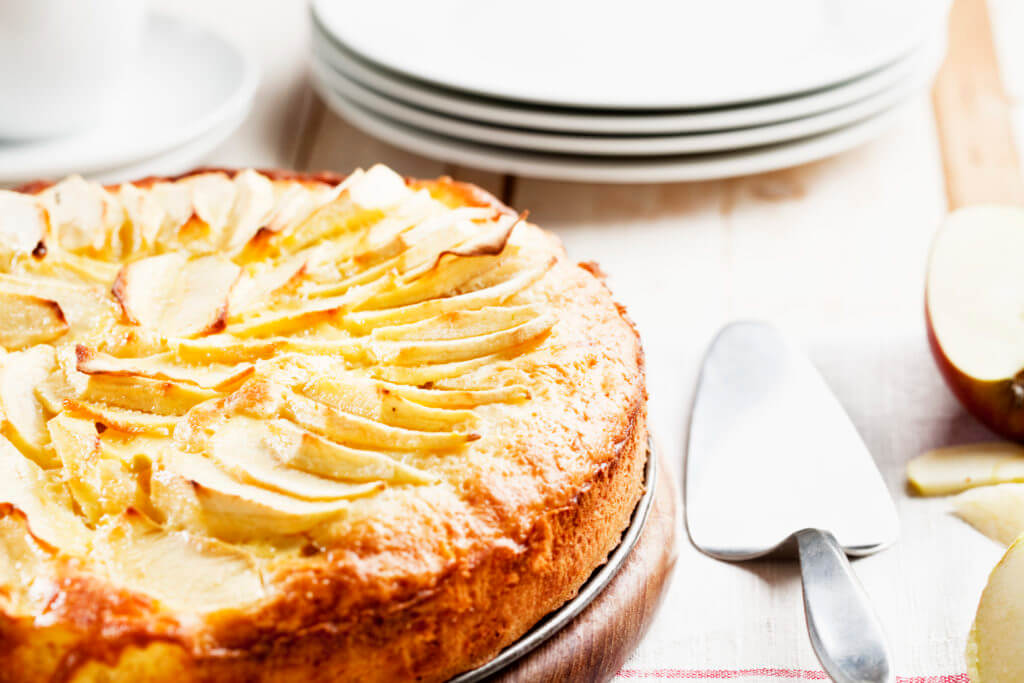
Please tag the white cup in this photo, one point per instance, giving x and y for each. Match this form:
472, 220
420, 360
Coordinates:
62, 61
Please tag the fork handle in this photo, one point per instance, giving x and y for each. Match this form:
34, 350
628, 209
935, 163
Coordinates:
845, 632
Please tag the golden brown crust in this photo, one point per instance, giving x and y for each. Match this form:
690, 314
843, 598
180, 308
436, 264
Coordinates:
393, 606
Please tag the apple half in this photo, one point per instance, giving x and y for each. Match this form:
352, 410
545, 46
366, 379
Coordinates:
975, 313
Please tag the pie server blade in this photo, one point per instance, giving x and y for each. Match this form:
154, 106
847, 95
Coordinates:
773, 465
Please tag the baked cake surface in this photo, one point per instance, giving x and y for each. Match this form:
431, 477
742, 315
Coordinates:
259, 426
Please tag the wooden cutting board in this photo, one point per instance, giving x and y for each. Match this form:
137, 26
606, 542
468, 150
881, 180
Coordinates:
595, 644
972, 115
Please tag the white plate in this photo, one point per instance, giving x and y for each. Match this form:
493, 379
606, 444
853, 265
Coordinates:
610, 169
618, 123
653, 145
645, 54
189, 82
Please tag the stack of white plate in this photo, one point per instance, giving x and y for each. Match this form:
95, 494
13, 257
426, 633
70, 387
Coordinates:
650, 90
191, 89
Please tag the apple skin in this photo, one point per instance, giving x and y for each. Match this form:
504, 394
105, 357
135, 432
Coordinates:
999, 404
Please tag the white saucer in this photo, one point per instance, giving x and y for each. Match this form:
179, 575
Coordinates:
619, 123
653, 145
611, 169
647, 54
190, 81
175, 162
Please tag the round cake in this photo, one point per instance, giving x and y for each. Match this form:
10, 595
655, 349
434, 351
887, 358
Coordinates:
270, 427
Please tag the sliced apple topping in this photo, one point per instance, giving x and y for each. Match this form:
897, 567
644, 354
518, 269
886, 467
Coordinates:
338, 217
89, 269
295, 204
316, 455
255, 288
162, 397
42, 498
287, 319
21, 555
420, 375
460, 324
24, 415
85, 308
225, 348
213, 196
122, 419
347, 428
82, 214
177, 295
408, 353
254, 201
490, 296
163, 367
175, 203
237, 511
376, 401
186, 572
459, 398
950, 470
442, 280
145, 218
100, 485
377, 188
22, 223
242, 359
252, 451
26, 320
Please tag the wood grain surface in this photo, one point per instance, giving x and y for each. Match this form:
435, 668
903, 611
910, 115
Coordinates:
594, 646
973, 114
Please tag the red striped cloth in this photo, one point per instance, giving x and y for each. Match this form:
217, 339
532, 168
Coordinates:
766, 672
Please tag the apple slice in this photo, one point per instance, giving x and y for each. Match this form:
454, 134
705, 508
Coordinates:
254, 200
310, 453
146, 395
42, 499
21, 555
418, 375
234, 510
22, 222
376, 402
352, 429
253, 289
188, 573
100, 485
488, 296
460, 324
994, 652
122, 419
950, 470
459, 398
27, 320
24, 415
975, 313
449, 350
177, 295
162, 366
249, 450
996, 511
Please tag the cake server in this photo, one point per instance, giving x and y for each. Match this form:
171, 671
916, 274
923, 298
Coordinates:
774, 466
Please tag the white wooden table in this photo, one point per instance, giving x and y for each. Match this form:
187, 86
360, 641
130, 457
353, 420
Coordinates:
834, 251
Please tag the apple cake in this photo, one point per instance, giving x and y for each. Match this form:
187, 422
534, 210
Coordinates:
269, 427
